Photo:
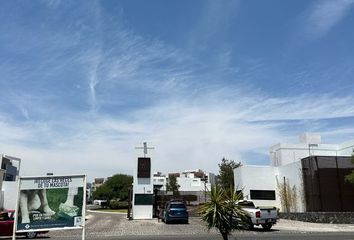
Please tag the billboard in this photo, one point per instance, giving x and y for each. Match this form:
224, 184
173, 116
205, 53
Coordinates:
51, 202
144, 167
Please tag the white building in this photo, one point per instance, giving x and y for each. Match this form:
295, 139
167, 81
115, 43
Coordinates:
9, 174
191, 182
263, 184
159, 181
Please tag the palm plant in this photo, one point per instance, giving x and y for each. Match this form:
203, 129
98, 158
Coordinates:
222, 212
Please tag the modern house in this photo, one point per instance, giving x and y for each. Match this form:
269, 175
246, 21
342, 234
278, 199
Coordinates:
305, 176
191, 182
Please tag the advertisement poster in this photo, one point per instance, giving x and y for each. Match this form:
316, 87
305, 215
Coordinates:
51, 202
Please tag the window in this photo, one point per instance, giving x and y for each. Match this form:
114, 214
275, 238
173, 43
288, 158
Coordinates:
262, 194
143, 199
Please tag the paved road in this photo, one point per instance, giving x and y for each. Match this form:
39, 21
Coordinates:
103, 226
241, 236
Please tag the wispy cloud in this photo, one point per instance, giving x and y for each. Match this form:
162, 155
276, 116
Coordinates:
193, 132
324, 15
216, 20
88, 93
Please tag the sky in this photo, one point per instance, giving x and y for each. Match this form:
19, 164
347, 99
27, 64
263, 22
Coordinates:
85, 82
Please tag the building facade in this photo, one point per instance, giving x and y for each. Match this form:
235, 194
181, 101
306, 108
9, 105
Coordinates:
191, 182
9, 173
292, 181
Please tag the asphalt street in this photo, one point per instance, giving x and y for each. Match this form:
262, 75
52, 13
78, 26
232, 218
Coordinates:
242, 236
107, 226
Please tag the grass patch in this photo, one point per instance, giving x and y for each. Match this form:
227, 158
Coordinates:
112, 210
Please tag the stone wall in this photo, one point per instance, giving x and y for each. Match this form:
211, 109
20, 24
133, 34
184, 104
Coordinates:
320, 217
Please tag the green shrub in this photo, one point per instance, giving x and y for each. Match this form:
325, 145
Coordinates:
115, 204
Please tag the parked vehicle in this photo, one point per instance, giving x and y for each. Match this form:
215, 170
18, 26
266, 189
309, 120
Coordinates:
7, 225
264, 216
102, 203
175, 211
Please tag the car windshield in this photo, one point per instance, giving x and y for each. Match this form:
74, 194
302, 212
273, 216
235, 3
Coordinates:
178, 205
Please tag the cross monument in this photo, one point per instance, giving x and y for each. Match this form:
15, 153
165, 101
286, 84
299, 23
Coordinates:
143, 186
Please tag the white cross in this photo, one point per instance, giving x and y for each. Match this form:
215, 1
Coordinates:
145, 147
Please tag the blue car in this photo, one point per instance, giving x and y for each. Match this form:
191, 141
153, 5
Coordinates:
175, 211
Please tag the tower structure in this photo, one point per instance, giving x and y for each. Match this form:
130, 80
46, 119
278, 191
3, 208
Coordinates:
143, 186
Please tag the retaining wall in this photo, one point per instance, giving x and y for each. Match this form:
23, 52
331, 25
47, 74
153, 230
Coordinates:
320, 217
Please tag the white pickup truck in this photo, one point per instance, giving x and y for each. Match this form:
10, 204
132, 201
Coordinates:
265, 216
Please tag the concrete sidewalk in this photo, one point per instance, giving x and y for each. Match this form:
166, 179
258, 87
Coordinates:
291, 225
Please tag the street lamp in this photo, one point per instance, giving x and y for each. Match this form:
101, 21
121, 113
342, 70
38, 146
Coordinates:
205, 179
311, 145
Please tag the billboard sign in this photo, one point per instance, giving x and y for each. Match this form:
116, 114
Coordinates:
51, 202
144, 167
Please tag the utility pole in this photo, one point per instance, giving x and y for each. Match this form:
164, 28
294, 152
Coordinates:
205, 178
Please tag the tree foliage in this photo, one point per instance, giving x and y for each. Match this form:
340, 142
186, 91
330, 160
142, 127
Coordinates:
172, 185
222, 212
226, 173
116, 187
350, 177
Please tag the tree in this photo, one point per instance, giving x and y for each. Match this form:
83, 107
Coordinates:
350, 177
222, 212
116, 187
173, 185
226, 173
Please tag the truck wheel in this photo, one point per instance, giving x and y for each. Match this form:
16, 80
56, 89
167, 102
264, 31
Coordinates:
267, 226
248, 225
31, 235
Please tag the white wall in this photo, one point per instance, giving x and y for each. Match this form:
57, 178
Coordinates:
285, 162
142, 186
346, 148
268, 178
310, 144
10, 194
282, 154
1, 177
142, 212
191, 184
256, 178
159, 180
293, 175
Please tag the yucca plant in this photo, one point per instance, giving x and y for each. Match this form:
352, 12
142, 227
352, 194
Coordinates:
222, 212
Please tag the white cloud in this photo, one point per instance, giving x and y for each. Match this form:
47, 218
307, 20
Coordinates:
215, 20
186, 134
190, 127
324, 15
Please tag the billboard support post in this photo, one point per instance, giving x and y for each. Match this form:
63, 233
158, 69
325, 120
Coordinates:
84, 211
16, 214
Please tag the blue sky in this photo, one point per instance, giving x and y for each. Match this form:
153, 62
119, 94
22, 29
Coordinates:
84, 82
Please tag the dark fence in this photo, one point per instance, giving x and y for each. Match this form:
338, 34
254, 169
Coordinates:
325, 187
